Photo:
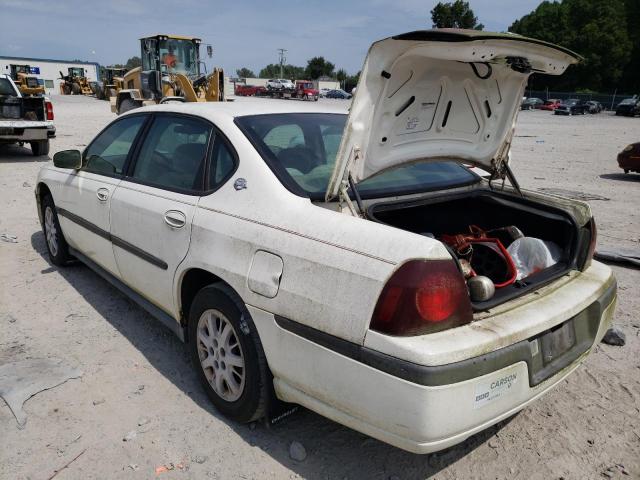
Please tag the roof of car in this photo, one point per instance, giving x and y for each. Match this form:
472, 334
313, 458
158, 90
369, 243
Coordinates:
249, 106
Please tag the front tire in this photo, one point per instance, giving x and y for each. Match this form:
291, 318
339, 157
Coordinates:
40, 147
75, 89
56, 244
227, 353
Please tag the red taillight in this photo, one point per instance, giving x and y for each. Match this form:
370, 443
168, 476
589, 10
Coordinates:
49, 107
422, 296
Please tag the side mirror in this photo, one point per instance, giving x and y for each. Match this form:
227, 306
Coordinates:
68, 159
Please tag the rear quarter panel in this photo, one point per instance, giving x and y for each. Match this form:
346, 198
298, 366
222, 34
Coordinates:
334, 265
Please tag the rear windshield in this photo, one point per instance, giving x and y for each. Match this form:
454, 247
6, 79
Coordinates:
6, 88
301, 149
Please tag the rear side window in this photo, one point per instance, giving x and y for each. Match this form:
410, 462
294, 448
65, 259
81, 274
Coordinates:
108, 152
222, 163
173, 153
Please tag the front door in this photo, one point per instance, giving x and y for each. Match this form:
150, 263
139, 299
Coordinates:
85, 199
153, 207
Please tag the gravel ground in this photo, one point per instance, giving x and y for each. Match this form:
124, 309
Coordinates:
137, 377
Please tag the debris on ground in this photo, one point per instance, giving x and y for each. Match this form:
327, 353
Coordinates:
297, 451
98, 401
130, 436
615, 336
56, 472
143, 421
619, 255
21, 380
200, 458
574, 194
5, 237
170, 466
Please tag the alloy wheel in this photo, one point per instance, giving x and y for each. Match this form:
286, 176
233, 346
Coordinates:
221, 355
50, 230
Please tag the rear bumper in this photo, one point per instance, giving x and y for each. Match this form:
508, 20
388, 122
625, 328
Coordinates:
25, 131
420, 408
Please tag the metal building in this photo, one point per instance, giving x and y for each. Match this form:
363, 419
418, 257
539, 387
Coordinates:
47, 70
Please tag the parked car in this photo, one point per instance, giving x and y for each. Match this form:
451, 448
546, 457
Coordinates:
248, 90
301, 250
572, 106
531, 104
594, 107
629, 158
25, 119
324, 91
279, 84
551, 105
629, 107
339, 93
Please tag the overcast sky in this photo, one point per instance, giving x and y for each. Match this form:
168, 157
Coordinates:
242, 32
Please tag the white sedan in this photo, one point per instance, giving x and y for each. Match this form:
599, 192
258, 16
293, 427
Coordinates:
349, 263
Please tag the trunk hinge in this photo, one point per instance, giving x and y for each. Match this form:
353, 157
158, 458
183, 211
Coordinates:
346, 183
501, 168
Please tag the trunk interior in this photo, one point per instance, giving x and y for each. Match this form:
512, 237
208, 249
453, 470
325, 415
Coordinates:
489, 210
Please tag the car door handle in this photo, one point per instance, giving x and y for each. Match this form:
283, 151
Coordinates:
175, 218
102, 194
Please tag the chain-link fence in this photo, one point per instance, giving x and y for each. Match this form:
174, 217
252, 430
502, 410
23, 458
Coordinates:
608, 100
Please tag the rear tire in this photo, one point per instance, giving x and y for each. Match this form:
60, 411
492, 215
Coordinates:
75, 89
227, 353
40, 148
56, 244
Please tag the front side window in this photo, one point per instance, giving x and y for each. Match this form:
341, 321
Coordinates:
108, 152
302, 149
173, 153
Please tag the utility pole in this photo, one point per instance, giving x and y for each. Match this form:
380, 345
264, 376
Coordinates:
281, 52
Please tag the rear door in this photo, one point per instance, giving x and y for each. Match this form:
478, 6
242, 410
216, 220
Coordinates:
86, 196
153, 207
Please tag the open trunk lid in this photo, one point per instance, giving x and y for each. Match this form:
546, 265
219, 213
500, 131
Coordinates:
439, 95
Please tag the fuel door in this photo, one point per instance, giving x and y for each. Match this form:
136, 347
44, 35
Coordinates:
265, 274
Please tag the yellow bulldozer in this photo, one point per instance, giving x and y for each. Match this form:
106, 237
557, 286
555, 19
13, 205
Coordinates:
75, 82
170, 71
111, 83
26, 83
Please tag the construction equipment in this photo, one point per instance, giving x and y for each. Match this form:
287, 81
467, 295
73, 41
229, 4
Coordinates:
170, 71
75, 83
112, 82
27, 84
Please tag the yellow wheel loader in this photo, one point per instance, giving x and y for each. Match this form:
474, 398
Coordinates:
111, 84
75, 82
27, 84
170, 71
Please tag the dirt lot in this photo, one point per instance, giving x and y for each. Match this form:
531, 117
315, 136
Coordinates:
136, 375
